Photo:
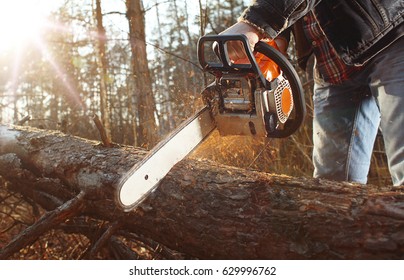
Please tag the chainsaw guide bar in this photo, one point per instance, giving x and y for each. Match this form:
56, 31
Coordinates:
144, 177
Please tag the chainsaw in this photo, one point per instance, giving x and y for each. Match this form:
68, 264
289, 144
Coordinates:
259, 95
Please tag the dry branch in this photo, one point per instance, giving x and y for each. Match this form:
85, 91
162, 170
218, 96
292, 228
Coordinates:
50, 220
211, 211
103, 133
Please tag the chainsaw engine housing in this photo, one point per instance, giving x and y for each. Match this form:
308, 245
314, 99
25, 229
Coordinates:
242, 106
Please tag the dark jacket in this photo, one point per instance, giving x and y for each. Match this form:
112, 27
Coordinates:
357, 29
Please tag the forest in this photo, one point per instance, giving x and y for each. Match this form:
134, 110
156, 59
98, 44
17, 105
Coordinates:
129, 69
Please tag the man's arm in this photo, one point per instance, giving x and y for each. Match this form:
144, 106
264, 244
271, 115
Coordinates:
267, 19
271, 17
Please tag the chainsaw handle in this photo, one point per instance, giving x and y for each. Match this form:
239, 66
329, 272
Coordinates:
291, 75
225, 64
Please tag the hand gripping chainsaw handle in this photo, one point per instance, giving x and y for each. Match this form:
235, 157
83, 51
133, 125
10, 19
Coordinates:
253, 66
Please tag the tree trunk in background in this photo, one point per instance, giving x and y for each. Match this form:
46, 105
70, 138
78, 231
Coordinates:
185, 84
146, 136
103, 66
203, 23
167, 122
192, 91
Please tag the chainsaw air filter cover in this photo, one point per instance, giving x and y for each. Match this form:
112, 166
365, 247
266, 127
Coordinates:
280, 99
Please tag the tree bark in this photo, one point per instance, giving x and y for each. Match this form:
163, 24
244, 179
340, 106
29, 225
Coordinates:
207, 210
145, 107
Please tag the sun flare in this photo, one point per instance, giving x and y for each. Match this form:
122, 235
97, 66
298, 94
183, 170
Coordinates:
21, 22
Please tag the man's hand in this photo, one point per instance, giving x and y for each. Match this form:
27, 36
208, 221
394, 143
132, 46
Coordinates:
235, 48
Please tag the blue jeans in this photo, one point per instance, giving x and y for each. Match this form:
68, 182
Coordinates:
348, 116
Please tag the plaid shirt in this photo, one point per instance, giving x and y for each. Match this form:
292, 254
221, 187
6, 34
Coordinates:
331, 67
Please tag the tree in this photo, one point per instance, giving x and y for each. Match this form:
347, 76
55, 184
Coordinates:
201, 209
145, 103
161, 75
103, 66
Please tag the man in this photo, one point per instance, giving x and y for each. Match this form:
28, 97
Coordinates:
359, 76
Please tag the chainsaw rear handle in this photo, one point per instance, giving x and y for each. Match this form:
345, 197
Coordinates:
225, 65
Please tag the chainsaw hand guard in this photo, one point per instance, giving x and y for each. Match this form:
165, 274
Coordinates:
242, 99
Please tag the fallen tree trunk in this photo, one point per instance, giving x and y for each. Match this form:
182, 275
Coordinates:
202, 209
